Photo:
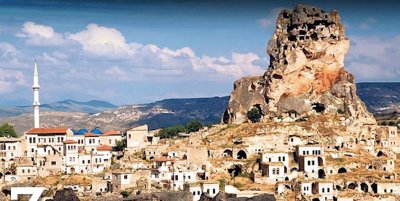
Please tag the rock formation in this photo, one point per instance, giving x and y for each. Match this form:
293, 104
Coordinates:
306, 74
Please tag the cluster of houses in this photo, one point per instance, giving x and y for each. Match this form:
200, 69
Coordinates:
364, 164
41, 152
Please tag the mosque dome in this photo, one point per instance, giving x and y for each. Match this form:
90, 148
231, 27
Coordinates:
81, 131
96, 131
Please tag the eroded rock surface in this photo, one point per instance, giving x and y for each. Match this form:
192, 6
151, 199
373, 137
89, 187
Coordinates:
306, 73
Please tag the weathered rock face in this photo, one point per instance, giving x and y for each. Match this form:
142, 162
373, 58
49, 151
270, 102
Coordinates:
306, 73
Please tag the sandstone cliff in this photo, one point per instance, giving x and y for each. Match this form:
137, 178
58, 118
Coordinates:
306, 74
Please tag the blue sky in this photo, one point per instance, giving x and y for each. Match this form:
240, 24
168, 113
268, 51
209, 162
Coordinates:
130, 52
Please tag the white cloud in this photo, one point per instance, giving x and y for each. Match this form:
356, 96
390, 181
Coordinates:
374, 58
105, 46
239, 65
9, 79
368, 23
100, 40
7, 50
109, 42
41, 35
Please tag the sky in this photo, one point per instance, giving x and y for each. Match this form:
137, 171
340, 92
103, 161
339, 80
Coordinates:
128, 52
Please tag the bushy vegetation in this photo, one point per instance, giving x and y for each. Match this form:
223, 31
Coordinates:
170, 132
254, 115
125, 194
194, 125
8, 130
119, 146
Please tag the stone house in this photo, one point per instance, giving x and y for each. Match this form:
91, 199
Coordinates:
306, 187
324, 190
197, 189
386, 187
38, 139
110, 138
180, 177
99, 185
9, 149
280, 157
310, 164
273, 171
123, 180
151, 152
139, 137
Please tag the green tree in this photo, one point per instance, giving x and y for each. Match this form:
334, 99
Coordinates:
194, 125
124, 194
254, 115
8, 130
119, 146
171, 132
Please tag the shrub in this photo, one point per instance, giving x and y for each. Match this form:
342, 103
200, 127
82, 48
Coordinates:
8, 130
254, 115
124, 194
194, 125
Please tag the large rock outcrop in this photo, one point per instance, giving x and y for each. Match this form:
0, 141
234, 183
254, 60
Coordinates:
306, 74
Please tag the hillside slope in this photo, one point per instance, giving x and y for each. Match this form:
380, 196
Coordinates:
380, 99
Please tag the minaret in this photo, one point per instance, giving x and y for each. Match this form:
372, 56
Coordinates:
36, 102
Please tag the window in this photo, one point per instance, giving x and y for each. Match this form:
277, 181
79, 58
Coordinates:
328, 189
309, 162
283, 158
213, 191
279, 158
194, 192
323, 190
273, 170
23, 171
277, 170
125, 176
53, 163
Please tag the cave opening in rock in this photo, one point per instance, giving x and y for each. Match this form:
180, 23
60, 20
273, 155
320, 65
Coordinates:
318, 107
241, 155
277, 76
235, 170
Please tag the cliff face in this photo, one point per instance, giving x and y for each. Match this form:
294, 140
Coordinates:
306, 73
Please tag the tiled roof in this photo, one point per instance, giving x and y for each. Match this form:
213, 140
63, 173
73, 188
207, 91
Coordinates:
112, 132
104, 148
47, 131
91, 135
70, 142
163, 159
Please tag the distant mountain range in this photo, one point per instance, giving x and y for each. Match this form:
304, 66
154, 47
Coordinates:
92, 106
380, 98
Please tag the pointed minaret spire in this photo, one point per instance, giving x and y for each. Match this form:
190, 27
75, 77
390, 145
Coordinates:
36, 103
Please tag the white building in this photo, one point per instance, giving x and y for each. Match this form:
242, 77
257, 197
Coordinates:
211, 188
